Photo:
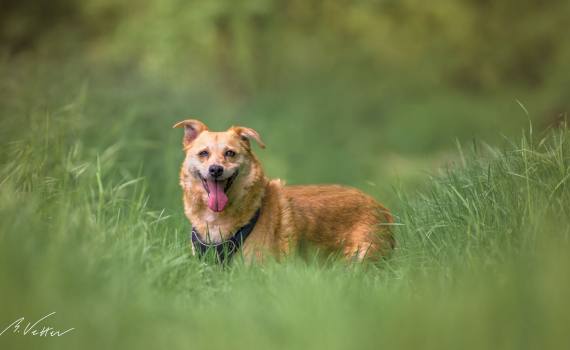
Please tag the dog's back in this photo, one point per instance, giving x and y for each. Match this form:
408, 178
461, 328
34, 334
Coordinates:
340, 218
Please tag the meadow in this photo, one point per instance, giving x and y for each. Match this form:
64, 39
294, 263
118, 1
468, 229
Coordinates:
481, 260
454, 121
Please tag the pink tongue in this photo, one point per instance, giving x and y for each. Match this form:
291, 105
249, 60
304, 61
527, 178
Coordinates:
217, 198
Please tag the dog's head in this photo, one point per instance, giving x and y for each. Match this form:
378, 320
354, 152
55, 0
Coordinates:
217, 159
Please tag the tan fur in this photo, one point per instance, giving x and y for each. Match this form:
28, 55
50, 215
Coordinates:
331, 217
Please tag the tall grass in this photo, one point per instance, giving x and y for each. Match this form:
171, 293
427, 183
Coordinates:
481, 260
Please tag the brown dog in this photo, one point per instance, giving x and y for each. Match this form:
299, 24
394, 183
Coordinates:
224, 187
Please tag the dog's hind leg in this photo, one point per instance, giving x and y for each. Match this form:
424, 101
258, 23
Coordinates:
368, 243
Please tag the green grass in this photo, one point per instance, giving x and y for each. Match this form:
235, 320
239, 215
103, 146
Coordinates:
482, 258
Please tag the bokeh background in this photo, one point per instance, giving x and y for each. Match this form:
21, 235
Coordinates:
367, 93
451, 112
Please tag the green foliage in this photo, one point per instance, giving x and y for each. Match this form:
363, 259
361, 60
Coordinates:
481, 258
255, 45
368, 52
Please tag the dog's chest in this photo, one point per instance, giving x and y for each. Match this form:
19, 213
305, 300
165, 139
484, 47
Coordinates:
214, 228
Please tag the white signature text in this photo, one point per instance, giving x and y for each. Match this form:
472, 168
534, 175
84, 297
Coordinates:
34, 329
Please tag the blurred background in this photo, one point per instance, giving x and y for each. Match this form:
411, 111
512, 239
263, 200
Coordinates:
370, 93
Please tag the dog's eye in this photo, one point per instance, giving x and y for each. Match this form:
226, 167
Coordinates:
230, 153
203, 154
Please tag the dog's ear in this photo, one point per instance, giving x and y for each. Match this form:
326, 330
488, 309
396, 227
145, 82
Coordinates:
192, 128
247, 134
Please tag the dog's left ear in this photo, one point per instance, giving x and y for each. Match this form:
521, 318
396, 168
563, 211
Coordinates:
247, 134
192, 128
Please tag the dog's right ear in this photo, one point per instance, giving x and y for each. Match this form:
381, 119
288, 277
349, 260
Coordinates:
192, 128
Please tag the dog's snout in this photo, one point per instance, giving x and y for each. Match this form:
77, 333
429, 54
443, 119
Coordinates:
216, 170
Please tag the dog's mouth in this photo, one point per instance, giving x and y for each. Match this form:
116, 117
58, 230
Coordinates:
217, 191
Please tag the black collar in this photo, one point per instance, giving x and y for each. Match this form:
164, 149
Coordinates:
226, 249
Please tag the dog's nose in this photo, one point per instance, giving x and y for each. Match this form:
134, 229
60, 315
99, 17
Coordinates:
216, 170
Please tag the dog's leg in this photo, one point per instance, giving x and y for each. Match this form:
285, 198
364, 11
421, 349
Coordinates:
368, 243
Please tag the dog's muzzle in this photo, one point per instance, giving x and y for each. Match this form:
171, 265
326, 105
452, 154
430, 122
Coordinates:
217, 190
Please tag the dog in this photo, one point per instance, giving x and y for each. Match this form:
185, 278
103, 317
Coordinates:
228, 199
